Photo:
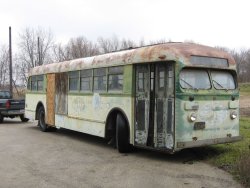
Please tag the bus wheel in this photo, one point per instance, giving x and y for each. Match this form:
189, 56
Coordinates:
1, 118
122, 134
41, 120
23, 119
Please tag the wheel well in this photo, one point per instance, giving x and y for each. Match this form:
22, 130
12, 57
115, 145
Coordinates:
110, 127
40, 104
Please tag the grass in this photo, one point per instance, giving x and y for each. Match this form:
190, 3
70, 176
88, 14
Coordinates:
245, 88
235, 157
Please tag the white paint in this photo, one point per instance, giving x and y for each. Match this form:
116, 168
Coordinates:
93, 128
169, 141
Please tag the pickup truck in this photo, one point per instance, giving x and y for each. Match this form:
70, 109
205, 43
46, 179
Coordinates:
10, 107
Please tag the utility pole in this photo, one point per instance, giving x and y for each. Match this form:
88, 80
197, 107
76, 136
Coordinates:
10, 63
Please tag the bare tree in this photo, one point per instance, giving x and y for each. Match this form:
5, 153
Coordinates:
160, 41
4, 68
126, 44
241, 63
81, 47
107, 45
35, 47
61, 53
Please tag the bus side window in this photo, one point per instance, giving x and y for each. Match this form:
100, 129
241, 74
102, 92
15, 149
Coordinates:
39, 82
86, 80
33, 83
100, 79
73, 80
141, 80
29, 84
115, 79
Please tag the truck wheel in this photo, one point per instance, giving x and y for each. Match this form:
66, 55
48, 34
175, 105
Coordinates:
122, 134
23, 119
1, 118
41, 120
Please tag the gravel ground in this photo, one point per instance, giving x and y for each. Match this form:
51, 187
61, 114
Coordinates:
31, 158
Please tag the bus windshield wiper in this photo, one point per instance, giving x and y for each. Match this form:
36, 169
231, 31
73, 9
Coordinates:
220, 85
189, 84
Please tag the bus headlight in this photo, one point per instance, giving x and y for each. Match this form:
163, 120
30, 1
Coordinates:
233, 115
192, 117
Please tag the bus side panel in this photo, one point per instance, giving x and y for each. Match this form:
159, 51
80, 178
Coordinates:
88, 113
31, 101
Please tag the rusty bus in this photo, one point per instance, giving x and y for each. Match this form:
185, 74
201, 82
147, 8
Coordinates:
165, 97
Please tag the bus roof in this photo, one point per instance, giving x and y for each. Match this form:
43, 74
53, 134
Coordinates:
181, 52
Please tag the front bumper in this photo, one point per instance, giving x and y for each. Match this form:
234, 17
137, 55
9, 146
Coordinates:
199, 143
12, 112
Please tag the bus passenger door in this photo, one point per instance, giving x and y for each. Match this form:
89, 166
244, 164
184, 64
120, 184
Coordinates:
142, 104
164, 104
50, 100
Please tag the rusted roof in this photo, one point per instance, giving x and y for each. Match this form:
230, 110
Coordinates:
154, 53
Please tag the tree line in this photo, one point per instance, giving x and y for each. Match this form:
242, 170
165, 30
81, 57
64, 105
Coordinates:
38, 46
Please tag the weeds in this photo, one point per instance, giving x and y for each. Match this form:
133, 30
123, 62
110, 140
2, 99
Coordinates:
243, 167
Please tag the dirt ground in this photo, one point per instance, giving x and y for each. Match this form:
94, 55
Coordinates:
245, 105
31, 158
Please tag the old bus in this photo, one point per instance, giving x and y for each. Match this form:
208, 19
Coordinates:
165, 97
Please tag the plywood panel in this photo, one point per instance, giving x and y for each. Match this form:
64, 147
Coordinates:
50, 114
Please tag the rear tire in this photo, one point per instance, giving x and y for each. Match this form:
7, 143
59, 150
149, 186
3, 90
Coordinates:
23, 119
41, 120
1, 118
122, 134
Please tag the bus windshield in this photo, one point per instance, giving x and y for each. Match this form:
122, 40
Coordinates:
223, 80
194, 79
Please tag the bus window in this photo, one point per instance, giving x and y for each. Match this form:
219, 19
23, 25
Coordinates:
194, 79
39, 82
33, 83
161, 83
86, 80
223, 80
73, 80
115, 79
100, 79
29, 83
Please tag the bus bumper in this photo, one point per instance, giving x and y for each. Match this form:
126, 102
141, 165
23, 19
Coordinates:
199, 143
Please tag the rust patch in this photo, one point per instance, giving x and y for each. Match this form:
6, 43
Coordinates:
154, 53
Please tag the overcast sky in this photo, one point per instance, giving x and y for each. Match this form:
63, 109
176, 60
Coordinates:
210, 22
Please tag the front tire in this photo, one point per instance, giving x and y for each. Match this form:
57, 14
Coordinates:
122, 134
41, 120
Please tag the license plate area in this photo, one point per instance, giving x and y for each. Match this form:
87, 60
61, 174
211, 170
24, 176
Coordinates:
199, 125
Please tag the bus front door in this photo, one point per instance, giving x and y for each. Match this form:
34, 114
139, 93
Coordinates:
142, 104
154, 102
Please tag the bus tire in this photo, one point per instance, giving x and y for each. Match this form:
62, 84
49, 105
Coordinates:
41, 120
122, 134
1, 118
